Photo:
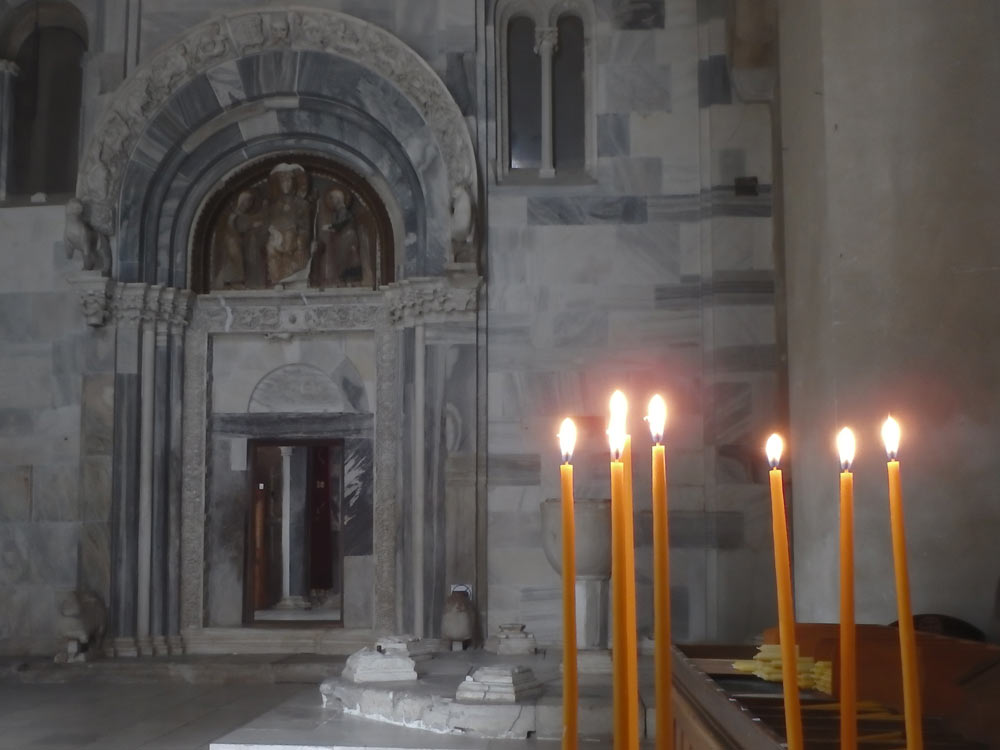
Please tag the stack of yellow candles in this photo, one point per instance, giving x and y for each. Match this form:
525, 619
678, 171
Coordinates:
624, 651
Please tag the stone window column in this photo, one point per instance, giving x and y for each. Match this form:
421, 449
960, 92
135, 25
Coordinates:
8, 71
546, 43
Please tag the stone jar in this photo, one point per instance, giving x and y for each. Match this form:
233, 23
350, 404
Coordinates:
458, 620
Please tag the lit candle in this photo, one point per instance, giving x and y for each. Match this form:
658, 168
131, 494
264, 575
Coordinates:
567, 441
786, 606
656, 416
624, 654
907, 637
848, 668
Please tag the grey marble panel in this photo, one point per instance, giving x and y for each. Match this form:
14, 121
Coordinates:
95, 558
732, 164
581, 329
514, 469
459, 77
97, 414
681, 296
51, 550
95, 488
193, 104
636, 88
641, 175
586, 210
713, 81
694, 529
541, 612
638, 14
613, 134
725, 203
269, 72
728, 420
746, 358
709, 9
15, 493
626, 47
225, 538
675, 208
742, 288
55, 492
15, 422
359, 591
356, 513
227, 83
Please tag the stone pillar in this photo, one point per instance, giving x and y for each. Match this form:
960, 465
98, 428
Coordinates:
546, 40
419, 485
888, 118
8, 70
145, 510
286, 525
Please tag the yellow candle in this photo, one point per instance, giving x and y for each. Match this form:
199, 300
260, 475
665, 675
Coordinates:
657, 417
625, 665
567, 441
786, 606
907, 636
848, 658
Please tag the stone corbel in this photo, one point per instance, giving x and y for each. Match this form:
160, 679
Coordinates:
95, 292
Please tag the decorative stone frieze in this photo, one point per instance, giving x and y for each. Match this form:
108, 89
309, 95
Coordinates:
240, 33
95, 295
417, 299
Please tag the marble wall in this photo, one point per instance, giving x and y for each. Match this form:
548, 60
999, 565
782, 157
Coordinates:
652, 275
55, 433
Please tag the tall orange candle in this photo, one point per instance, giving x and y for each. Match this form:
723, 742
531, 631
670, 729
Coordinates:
848, 657
624, 654
786, 605
567, 441
907, 636
657, 418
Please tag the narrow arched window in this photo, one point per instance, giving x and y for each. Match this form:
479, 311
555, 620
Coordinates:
568, 95
543, 102
46, 42
524, 96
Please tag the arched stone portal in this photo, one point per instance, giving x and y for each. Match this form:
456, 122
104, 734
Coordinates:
286, 87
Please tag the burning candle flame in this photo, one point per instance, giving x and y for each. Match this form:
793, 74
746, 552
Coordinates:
773, 450
567, 439
890, 436
846, 446
656, 416
616, 426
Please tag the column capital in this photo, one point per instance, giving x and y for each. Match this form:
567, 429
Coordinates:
546, 40
9, 67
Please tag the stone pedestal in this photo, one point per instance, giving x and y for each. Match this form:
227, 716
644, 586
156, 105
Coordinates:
511, 640
370, 665
500, 683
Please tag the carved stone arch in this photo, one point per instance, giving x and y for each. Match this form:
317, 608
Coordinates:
195, 67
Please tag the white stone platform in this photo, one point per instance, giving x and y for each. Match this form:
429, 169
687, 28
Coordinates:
408, 709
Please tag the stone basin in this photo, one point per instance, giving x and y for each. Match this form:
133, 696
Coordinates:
592, 519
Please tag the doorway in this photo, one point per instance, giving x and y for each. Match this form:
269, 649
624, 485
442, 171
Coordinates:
295, 550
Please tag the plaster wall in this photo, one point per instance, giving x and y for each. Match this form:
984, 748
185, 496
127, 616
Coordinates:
892, 277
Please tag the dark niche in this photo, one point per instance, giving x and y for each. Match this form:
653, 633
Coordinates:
291, 222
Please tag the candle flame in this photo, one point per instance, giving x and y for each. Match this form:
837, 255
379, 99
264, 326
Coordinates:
846, 445
567, 439
773, 450
616, 426
890, 436
657, 417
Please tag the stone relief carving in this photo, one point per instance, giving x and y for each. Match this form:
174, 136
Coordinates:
408, 301
80, 237
241, 33
463, 225
295, 228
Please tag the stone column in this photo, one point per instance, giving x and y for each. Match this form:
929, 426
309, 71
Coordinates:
418, 489
888, 117
286, 525
145, 509
546, 41
8, 71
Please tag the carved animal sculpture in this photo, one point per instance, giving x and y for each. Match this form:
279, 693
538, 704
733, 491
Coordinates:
83, 238
83, 618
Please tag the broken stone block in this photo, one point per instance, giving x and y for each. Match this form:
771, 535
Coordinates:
371, 665
499, 683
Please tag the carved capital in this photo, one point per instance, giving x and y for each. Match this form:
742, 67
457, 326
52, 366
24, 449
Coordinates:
95, 295
546, 40
9, 67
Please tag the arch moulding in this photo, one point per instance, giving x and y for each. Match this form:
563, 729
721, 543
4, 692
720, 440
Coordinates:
238, 34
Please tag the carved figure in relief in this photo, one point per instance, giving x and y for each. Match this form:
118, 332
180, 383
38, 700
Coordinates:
237, 245
208, 45
81, 237
462, 225
289, 223
340, 258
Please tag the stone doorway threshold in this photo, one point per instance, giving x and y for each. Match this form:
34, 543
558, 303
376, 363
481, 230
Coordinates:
287, 638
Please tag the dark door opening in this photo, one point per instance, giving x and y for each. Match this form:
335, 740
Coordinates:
295, 567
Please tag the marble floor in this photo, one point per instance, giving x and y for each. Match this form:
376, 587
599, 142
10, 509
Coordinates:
86, 714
